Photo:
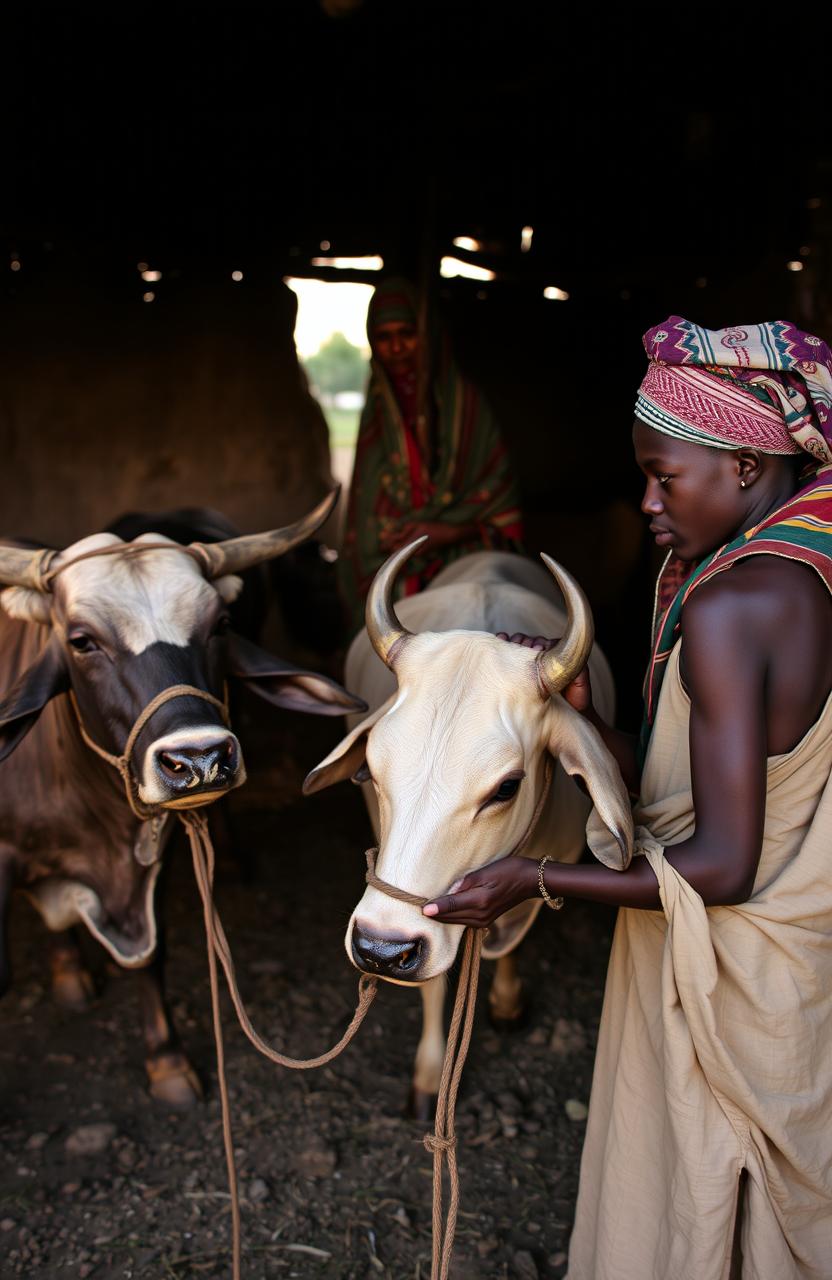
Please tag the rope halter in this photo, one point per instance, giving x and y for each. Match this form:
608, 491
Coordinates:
123, 762
442, 1143
414, 899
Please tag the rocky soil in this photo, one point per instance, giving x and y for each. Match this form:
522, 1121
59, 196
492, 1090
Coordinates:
98, 1181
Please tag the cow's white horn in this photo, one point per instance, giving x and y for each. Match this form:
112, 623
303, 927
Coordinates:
383, 627
558, 666
236, 554
23, 567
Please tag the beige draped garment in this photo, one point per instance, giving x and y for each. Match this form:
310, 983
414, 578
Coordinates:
715, 1047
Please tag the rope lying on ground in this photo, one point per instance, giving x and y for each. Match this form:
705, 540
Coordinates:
441, 1143
202, 851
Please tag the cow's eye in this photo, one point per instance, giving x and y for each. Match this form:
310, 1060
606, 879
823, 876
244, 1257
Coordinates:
221, 625
81, 642
507, 789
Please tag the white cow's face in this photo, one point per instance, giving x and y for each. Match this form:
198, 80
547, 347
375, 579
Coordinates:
457, 764
458, 761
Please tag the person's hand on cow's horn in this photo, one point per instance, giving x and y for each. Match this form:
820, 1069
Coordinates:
579, 693
481, 896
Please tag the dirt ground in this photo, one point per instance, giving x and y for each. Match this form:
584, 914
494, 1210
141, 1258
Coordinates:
335, 1179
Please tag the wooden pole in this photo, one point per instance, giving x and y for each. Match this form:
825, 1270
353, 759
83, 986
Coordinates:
427, 276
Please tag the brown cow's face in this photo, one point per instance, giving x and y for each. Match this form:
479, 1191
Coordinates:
128, 628
119, 631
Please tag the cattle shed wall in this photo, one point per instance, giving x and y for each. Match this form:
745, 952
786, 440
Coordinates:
251, 137
109, 404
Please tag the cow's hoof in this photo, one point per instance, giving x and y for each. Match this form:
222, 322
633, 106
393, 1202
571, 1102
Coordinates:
509, 1022
421, 1105
173, 1081
72, 986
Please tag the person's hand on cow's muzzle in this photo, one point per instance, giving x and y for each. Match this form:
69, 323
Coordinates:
481, 896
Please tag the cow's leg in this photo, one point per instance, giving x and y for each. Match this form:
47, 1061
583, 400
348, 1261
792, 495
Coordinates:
428, 1066
6, 882
72, 984
171, 1077
506, 1003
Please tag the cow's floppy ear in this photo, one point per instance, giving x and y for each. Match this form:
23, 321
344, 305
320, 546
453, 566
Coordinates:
286, 686
579, 748
347, 758
20, 708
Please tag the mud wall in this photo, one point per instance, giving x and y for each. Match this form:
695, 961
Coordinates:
110, 404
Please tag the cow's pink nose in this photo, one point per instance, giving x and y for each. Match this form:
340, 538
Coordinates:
206, 767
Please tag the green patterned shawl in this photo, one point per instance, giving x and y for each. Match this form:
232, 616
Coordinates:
468, 481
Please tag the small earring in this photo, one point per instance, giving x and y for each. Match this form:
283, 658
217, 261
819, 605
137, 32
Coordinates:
742, 484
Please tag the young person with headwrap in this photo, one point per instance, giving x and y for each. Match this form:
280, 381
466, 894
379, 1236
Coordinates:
429, 458
712, 1090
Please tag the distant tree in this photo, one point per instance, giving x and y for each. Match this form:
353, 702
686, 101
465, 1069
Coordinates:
338, 366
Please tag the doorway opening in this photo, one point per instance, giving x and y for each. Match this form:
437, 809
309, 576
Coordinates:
331, 341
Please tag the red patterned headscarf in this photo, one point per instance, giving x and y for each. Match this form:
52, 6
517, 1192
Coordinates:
767, 386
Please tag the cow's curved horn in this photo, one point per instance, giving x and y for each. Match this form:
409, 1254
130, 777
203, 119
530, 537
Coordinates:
557, 666
236, 554
23, 567
383, 627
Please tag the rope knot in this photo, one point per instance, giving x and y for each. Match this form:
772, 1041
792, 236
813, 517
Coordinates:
367, 986
434, 1143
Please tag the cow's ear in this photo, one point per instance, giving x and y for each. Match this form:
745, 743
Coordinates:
286, 686
26, 605
228, 587
578, 746
347, 759
20, 708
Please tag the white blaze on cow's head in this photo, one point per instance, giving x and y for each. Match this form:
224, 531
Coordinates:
458, 761
126, 627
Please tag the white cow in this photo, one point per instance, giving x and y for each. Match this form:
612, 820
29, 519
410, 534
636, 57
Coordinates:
460, 727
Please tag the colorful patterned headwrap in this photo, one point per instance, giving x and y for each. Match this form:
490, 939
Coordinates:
394, 299
767, 386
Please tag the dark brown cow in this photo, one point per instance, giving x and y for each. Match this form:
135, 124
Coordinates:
114, 631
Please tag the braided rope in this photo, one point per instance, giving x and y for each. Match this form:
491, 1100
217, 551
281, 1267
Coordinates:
122, 763
46, 575
202, 851
442, 1143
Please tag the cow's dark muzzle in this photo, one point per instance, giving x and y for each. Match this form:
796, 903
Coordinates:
389, 958
192, 770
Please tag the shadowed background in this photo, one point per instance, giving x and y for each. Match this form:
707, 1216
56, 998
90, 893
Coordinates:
661, 173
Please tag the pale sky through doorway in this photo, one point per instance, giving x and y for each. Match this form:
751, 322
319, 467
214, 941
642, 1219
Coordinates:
326, 307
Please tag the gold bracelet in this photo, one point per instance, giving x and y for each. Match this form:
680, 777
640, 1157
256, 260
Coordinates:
554, 903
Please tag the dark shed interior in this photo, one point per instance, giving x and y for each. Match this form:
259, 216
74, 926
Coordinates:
669, 162
664, 168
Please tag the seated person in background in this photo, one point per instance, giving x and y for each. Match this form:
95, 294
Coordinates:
440, 469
